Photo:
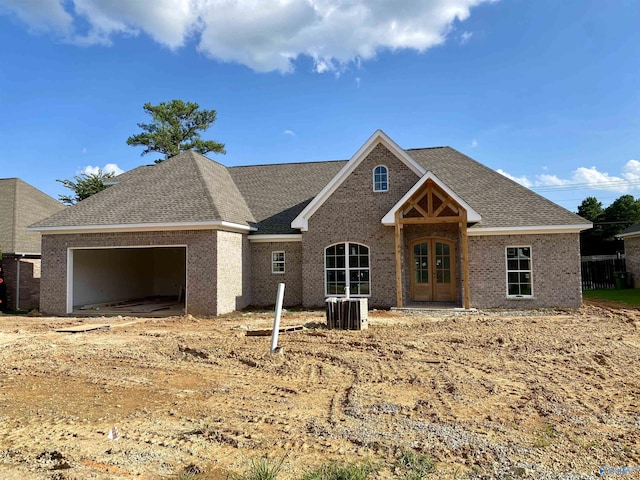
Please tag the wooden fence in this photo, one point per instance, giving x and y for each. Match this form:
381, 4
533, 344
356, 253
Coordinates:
600, 273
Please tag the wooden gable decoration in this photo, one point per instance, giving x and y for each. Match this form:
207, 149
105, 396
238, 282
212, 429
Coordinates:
431, 204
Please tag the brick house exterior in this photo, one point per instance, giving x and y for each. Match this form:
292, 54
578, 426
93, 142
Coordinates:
400, 227
631, 237
21, 205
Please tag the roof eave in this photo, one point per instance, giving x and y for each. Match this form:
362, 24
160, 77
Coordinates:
628, 234
528, 230
145, 227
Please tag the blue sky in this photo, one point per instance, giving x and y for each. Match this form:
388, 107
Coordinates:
546, 91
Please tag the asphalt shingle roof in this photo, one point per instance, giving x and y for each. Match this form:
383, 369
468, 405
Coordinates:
276, 194
186, 188
21, 205
635, 228
501, 202
192, 188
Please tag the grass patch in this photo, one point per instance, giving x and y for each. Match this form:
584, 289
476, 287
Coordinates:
545, 437
334, 471
262, 468
16, 312
629, 296
414, 466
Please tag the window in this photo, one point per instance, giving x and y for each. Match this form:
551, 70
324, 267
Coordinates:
347, 264
519, 272
380, 179
277, 262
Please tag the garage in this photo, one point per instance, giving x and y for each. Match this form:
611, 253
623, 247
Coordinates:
127, 280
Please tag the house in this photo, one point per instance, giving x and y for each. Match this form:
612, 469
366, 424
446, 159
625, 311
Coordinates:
20, 206
400, 227
631, 237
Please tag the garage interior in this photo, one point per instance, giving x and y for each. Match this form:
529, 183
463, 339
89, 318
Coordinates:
121, 281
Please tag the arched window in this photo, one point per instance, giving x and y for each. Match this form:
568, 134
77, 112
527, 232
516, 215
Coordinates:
380, 179
347, 264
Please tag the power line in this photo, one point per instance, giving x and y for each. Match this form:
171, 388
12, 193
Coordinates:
584, 186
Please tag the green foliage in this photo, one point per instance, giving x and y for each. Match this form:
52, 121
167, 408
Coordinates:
608, 222
414, 466
591, 209
334, 471
175, 128
261, 469
83, 186
545, 437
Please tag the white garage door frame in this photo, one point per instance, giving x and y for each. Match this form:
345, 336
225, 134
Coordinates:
70, 251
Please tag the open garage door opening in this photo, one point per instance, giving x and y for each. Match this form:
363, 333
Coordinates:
127, 281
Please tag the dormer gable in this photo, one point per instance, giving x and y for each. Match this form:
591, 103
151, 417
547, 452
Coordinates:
378, 138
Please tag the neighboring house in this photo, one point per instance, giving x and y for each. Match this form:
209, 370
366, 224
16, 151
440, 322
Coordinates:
400, 227
631, 237
20, 206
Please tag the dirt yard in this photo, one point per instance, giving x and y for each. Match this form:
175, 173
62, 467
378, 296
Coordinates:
488, 395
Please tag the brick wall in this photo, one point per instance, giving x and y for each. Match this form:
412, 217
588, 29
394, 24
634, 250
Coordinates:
234, 281
632, 258
353, 214
555, 271
29, 290
201, 264
264, 284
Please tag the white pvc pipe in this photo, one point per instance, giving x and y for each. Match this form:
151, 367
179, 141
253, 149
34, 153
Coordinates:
276, 320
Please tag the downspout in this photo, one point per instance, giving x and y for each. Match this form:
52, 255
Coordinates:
18, 283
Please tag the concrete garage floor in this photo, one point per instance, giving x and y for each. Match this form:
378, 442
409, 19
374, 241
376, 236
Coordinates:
140, 307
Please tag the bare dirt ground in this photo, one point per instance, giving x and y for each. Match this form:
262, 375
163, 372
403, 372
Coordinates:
487, 395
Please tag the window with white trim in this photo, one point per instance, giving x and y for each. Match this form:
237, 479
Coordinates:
347, 264
380, 179
519, 272
277, 262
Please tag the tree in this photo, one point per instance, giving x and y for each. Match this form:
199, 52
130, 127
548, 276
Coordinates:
591, 209
607, 223
175, 128
83, 186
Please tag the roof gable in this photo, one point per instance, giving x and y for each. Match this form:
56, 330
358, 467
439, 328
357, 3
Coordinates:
379, 137
389, 218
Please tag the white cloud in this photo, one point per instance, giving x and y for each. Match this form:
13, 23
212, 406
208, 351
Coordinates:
474, 144
358, 82
587, 178
521, 180
465, 37
40, 15
290, 132
264, 35
108, 168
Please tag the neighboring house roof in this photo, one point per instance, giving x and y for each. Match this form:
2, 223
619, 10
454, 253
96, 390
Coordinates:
631, 231
22, 205
186, 190
191, 190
